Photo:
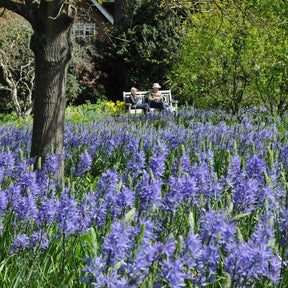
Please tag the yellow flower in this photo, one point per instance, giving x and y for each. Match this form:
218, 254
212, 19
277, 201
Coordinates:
110, 104
122, 103
114, 109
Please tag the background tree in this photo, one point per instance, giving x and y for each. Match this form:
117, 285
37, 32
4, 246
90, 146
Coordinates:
271, 73
217, 59
16, 63
142, 46
234, 55
81, 77
51, 21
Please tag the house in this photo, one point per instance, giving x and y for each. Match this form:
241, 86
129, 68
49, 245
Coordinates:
94, 18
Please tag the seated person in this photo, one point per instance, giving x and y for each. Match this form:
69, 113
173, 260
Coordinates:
155, 98
136, 101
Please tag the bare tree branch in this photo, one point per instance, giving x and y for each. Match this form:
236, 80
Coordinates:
13, 88
7, 75
29, 102
4, 88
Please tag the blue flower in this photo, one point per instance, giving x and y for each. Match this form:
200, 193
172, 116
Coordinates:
20, 241
39, 238
51, 164
136, 164
172, 272
68, 216
118, 242
3, 202
148, 192
110, 280
157, 161
84, 164
47, 211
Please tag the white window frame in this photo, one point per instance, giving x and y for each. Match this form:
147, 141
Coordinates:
83, 30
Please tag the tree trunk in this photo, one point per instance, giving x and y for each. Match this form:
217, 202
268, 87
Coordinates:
52, 48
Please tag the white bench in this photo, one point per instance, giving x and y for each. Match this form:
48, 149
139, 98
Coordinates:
167, 97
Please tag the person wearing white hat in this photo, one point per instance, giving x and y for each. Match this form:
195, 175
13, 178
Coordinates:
155, 98
156, 85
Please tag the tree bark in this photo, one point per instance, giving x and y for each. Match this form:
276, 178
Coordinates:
52, 48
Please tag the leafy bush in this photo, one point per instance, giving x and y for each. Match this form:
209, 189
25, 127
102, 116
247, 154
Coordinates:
234, 57
217, 64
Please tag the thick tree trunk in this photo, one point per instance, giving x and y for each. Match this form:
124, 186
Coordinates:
52, 48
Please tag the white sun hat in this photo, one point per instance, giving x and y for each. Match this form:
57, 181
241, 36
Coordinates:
156, 85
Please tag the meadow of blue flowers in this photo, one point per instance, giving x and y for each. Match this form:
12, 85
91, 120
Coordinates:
188, 200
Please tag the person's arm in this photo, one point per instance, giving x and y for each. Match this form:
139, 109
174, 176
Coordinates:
155, 97
150, 97
160, 96
133, 100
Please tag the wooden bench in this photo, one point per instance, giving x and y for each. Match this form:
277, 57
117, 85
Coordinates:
167, 97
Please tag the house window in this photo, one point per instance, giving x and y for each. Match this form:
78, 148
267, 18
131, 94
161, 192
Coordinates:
83, 30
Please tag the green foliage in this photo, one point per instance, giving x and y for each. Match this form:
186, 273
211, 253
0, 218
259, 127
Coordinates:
144, 45
217, 60
17, 57
271, 74
87, 112
81, 75
6, 105
234, 56
8, 118
14, 39
73, 88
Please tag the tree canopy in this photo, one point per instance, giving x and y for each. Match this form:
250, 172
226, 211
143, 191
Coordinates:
234, 55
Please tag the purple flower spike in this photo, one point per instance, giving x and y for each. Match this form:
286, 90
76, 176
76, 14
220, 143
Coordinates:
20, 241
84, 164
111, 279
